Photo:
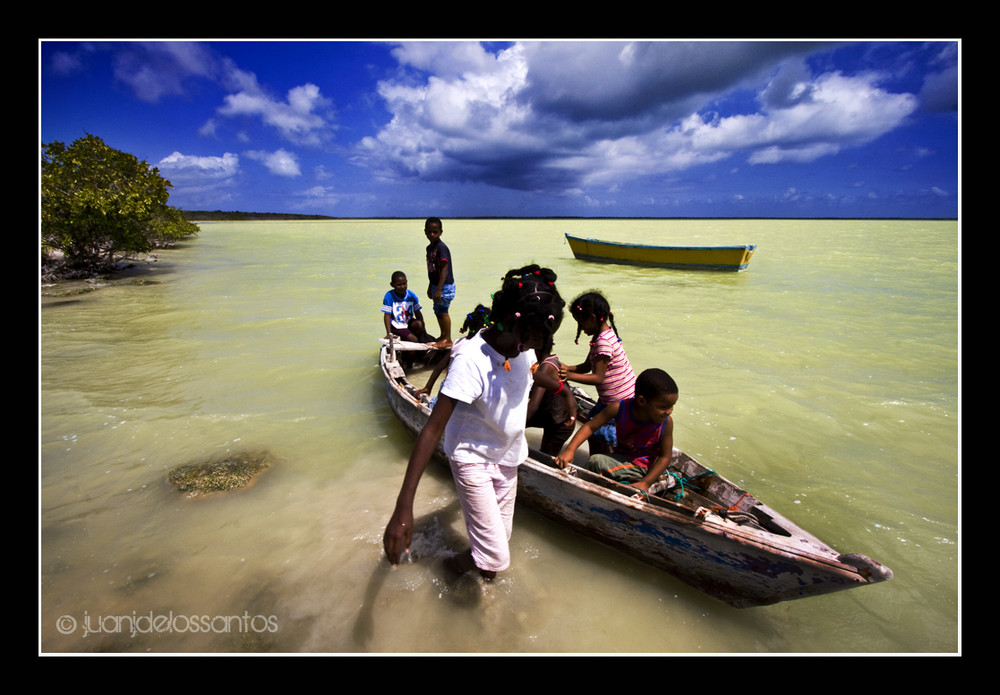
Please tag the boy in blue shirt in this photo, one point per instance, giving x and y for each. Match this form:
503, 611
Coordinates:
401, 311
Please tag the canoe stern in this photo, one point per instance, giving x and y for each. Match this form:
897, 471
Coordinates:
716, 556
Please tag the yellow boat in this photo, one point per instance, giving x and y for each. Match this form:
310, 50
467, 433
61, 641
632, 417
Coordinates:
733, 258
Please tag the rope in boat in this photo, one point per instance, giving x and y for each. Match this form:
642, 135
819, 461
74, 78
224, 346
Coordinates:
732, 512
742, 518
687, 482
735, 515
681, 480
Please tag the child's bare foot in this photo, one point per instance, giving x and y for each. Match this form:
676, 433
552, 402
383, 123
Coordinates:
462, 563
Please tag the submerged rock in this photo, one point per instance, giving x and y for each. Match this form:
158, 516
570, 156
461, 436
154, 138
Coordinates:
234, 471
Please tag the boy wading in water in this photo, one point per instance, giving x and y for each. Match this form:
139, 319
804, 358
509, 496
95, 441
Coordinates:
481, 412
441, 278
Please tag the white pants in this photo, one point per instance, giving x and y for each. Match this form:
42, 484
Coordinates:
486, 492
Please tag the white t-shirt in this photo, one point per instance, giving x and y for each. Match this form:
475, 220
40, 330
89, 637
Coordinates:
488, 422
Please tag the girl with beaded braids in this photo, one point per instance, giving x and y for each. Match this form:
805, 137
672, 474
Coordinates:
607, 367
481, 412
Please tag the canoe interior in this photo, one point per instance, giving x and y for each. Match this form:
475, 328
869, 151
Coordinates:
705, 530
408, 346
724, 258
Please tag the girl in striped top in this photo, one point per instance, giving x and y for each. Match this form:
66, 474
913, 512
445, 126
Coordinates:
607, 367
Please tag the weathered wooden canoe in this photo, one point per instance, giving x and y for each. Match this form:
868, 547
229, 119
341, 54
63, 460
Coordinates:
705, 530
734, 258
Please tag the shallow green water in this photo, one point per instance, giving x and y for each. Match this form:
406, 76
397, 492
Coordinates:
825, 379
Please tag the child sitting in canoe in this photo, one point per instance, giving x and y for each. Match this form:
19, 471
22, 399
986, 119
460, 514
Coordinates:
644, 430
418, 331
607, 367
552, 406
401, 311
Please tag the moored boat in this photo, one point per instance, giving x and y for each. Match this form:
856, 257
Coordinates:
731, 258
699, 527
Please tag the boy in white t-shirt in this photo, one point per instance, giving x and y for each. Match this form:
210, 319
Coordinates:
401, 310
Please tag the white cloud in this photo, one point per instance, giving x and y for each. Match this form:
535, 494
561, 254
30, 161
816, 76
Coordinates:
297, 119
190, 166
280, 162
559, 115
200, 180
446, 60
157, 69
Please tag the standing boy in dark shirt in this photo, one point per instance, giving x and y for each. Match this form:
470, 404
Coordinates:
441, 278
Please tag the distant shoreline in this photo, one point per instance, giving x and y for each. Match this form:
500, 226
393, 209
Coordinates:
206, 215
220, 215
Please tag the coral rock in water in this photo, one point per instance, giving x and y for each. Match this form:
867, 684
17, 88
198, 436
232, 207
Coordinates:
231, 472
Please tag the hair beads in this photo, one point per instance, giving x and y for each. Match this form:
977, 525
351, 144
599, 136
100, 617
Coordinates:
476, 320
528, 298
592, 304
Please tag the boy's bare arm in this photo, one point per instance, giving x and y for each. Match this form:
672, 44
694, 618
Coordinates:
565, 457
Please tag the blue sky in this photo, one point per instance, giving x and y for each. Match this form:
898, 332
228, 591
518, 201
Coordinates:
524, 128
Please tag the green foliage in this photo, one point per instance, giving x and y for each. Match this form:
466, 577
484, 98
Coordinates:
99, 203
